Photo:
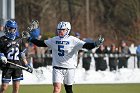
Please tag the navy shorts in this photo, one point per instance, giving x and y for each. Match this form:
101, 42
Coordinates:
15, 73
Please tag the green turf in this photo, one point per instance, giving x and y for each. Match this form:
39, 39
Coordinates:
92, 88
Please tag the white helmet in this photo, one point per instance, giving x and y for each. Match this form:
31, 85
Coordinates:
64, 25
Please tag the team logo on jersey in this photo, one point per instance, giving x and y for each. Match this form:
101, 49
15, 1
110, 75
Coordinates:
12, 43
63, 42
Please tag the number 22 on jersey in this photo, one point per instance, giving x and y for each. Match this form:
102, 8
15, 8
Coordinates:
13, 54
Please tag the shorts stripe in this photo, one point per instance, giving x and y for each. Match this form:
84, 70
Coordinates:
21, 78
4, 80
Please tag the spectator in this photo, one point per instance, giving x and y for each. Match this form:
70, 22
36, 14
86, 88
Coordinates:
138, 56
30, 53
2, 23
131, 60
100, 62
112, 58
77, 35
125, 52
87, 55
86, 59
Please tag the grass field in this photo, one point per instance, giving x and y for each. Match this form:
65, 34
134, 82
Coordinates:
91, 88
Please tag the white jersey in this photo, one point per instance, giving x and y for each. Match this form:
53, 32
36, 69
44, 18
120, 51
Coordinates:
65, 50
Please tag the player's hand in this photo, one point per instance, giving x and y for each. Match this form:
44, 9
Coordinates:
22, 54
99, 41
29, 68
26, 34
3, 59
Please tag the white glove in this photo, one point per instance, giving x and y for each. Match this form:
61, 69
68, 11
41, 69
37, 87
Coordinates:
4, 59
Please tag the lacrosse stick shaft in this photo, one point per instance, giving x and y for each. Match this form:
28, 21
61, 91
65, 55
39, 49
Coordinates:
22, 67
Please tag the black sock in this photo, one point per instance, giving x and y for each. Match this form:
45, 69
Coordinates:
68, 88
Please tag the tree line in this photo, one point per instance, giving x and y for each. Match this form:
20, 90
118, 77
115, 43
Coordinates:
114, 19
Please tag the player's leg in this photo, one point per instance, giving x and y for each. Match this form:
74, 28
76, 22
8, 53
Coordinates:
6, 78
69, 80
16, 85
68, 88
57, 80
17, 75
4, 87
57, 87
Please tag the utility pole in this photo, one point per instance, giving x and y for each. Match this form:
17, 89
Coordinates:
3, 13
10, 9
7, 11
87, 18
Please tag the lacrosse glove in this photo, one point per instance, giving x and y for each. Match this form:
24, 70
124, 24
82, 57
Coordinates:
26, 34
99, 41
29, 68
3, 58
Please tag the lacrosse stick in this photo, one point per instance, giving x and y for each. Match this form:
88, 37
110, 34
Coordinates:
17, 65
37, 72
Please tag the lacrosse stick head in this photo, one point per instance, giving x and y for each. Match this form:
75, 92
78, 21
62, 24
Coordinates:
33, 25
32, 31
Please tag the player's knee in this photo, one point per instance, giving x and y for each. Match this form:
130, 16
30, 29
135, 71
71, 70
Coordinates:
15, 89
57, 89
68, 88
3, 89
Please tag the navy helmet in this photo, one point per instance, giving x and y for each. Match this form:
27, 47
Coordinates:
10, 29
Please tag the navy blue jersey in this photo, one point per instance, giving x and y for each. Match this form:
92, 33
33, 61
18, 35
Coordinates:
11, 50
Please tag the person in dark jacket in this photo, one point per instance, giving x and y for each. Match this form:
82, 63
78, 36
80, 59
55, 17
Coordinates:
113, 58
100, 62
124, 55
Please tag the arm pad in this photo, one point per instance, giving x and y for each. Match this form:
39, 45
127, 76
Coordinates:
39, 43
89, 46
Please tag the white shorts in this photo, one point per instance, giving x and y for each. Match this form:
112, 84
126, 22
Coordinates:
65, 76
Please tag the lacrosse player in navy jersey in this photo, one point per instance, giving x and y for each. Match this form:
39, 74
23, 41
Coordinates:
64, 52
11, 51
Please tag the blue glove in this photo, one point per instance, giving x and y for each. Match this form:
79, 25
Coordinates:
29, 68
3, 58
99, 41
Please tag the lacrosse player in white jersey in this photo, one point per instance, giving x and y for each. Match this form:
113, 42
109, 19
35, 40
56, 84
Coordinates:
64, 52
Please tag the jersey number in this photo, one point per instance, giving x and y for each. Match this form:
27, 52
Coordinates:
13, 54
61, 50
